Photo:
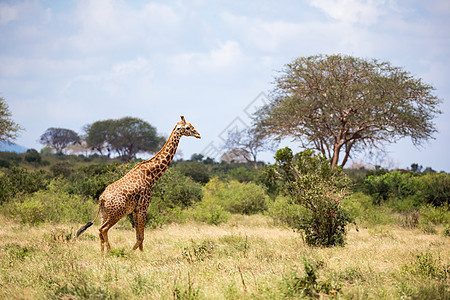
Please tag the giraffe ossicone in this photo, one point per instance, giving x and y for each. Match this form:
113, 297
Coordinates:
132, 193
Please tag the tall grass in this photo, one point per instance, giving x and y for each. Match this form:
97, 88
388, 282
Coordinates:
246, 258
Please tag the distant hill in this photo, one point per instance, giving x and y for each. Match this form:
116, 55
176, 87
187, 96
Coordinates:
5, 147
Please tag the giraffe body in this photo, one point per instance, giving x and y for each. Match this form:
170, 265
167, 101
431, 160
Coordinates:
132, 193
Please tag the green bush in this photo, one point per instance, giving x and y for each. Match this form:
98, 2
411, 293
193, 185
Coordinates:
436, 188
408, 190
91, 181
195, 170
284, 212
310, 182
393, 185
307, 286
236, 197
209, 212
20, 180
177, 190
9, 159
52, 205
62, 168
361, 207
430, 214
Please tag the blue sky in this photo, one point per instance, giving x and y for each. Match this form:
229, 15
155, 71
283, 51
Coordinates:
70, 63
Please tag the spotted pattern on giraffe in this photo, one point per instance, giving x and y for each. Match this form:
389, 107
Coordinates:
132, 193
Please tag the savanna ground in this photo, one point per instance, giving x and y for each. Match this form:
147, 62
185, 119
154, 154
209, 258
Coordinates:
247, 257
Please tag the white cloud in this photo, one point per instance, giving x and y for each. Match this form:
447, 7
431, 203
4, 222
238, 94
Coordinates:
8, 13
224, 57
267, 36
105, 25
119, 80
366, 12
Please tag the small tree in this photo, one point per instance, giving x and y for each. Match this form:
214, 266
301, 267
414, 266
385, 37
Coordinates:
8, 128
126, 136
310, 182
59, 138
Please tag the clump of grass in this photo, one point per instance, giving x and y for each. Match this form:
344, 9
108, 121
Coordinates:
307, 285
186, 291
17, 252
237, 242
446, 231
118, 252
351, 275
409, 220
431, 290
198, 251
427, 265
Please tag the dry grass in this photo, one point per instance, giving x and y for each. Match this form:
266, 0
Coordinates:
245, 258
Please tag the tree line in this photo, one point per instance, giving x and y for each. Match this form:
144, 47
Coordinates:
126, 137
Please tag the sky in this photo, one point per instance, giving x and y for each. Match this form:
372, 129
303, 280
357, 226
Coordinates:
70, 63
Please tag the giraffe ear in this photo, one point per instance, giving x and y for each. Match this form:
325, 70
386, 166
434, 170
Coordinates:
182, 119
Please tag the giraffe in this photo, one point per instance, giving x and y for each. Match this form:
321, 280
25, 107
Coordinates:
132, 193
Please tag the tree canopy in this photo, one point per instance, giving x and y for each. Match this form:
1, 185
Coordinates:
59, 138
342, 104
126, 136
8, 128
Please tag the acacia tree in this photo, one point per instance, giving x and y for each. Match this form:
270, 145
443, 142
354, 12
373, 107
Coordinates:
98, 135
8, 128
341, 104
59, 138
126, 136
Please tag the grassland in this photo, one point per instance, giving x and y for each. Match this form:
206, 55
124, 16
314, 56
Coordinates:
246, 258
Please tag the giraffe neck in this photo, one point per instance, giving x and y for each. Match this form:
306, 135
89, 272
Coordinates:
159, 163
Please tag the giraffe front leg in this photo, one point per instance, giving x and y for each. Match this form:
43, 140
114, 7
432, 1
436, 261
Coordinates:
139, 224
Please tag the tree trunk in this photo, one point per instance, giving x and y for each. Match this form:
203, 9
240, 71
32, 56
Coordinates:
335, 158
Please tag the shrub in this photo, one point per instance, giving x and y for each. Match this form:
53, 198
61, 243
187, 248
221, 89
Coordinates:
393, 185
310, 182
236, 197
307, 286
436, 188
19, 180
177, 190
32, 156
244, 174
52, 205
408, 190
195, 170
284, 211
91, 181
9, 159
430, 214
210, 213
63, 169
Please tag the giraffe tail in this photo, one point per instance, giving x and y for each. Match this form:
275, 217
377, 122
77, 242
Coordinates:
88, 224
83, 229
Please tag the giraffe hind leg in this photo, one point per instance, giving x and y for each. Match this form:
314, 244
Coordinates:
103, 230
139, 224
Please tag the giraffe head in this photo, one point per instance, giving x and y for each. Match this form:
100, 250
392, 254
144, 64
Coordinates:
186, 128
